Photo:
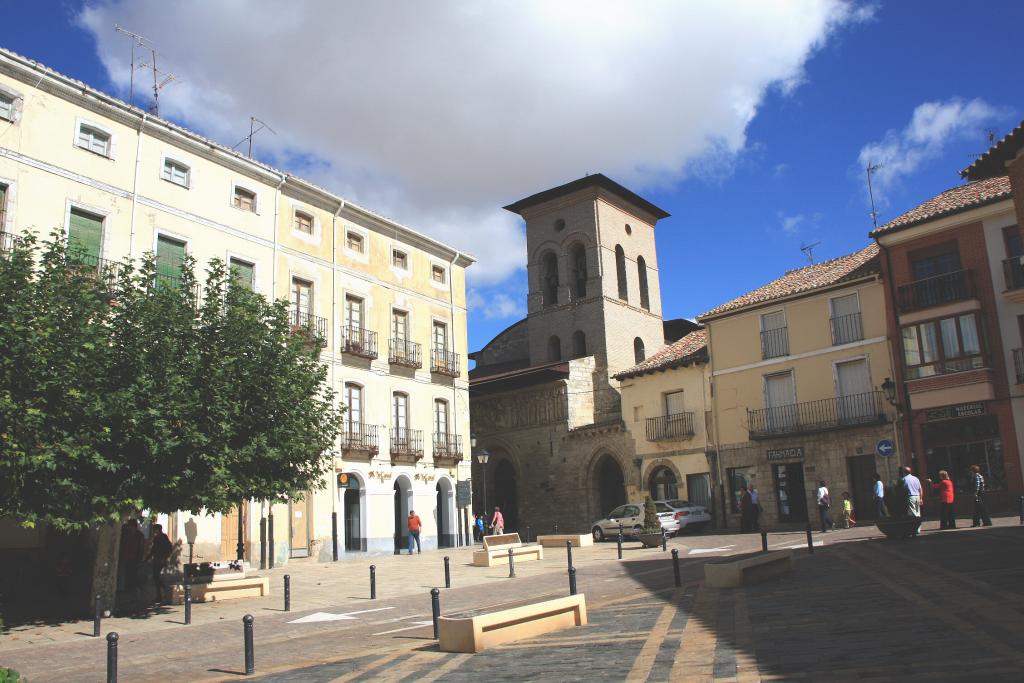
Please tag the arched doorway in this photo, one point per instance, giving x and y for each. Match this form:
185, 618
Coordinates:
352, 512
445, 513
609, 484
663, 484
506, 495
403, 502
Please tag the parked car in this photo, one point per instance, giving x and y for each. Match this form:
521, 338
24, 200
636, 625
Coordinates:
685, 515
631, 517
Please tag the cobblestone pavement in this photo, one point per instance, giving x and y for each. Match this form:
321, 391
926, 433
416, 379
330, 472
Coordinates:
946, 606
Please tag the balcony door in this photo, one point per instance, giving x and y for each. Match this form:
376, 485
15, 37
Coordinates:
400, 414
853, 391
302, 300
846, 323
441, 420
780, 401
440, 339
354, 414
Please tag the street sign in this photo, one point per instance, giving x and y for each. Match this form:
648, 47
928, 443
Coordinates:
885, 448
463, 495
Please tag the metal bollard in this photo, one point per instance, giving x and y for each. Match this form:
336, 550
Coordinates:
250, 663
810, 541
528, 533
620, 541
664, 541
97, 617
1022, 509
556, 527
112, 657
447, 573
270, 540
764, 541
675, 567
287, 593
373, 582
511, 565
188, 603
572, 580
568, 553
263, 542
435, 610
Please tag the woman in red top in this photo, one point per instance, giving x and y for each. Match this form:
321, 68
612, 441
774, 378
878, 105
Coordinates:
944, 488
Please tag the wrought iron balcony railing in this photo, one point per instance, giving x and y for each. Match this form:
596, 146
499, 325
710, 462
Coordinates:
359, 439
161, 280
7, 240
1013, 273
846, 329
817, 416
359, 341
775, 343
406, 445
103, 270
935, 291
447, 449
404, 352
307, 323
444, 362
664, 427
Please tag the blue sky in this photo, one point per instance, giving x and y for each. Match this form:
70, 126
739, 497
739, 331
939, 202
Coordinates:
792, 172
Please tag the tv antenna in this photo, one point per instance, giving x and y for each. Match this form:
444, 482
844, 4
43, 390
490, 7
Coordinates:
871, 168
160, 79
808, 250
253, 129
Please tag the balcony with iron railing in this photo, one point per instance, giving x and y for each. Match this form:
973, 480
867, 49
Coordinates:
665, 427
306, 323
7, 240
447, 449
818, 416
163, 280
846, 329
775, 343
935, 291
359, 440
406, 445
1013, 273
444, 362
1018, 364
359, 341
406, 353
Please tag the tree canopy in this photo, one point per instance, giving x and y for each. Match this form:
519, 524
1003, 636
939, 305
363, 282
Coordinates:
122, 389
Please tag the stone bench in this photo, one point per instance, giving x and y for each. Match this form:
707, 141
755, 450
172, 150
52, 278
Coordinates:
748, 570
229, 589
480, 629
496, 549
558, 540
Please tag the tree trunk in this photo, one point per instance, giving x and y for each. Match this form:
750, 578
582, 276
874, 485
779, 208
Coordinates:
104, 573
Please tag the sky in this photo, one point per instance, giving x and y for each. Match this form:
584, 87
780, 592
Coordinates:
750, 122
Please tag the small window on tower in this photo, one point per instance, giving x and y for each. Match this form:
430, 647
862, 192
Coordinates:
437, 274
559, 225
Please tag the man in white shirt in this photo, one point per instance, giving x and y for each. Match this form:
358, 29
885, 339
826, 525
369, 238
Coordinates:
824, 503
879, 497
755, 502
913, 485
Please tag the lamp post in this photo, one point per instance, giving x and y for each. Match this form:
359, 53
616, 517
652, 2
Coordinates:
482, 456
889, 391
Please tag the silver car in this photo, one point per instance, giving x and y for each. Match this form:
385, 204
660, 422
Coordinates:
631, 517
685, 515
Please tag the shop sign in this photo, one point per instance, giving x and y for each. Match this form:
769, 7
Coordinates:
796, 452
954, 412
463, 494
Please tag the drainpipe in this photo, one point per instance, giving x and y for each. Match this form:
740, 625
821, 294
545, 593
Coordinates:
455, 390
897, 369
135, 183
277, 211
714, 419
334, 357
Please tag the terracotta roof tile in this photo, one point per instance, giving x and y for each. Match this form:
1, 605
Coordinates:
993, 162
953, 200
806, 279
690, 349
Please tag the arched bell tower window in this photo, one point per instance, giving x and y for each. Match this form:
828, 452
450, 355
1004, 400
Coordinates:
579, 344
578, 263
638, 350
549, 278
554, 348
641, 269
620, 271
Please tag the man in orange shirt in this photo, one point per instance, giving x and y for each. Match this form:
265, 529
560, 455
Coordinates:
414, 530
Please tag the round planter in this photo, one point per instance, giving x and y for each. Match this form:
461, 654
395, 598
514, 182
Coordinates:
652, 540
899, 528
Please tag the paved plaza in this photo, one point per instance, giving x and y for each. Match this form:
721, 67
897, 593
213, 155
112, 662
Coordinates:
945, 606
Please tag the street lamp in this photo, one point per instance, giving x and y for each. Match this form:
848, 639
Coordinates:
482, 457
889, 389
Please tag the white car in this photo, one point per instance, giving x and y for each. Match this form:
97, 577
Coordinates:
631, 517
685, 515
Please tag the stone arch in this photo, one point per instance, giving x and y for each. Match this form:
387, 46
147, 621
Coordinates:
554, 348
444, 513
353, 513
639, 353
641, 270
620, 272
549, 280
501, 451
578, 270
663, 481
579, 344
606, 482
403, 502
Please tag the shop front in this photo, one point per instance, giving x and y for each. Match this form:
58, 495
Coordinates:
956, 437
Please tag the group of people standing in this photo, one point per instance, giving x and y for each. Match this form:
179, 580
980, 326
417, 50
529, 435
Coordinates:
944, 490
134, 554
750, 508
481, 528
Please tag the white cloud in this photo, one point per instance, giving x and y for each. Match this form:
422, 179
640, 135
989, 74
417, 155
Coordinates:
495, 305
438, 113
790, 224
932, 126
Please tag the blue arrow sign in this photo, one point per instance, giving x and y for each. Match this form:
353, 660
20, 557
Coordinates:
885, 448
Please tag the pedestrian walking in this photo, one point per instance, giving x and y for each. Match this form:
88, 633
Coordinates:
746, 516
879, 497
497, 522
978, 486
944, 489
159, 551
414, 530
824, 503
848, 521
755, 510
913, 486
478, 527
133, 544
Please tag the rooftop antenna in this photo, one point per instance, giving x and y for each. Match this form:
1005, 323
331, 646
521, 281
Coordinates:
160, 79
990, 138
871, 168
808, 250
137, 41
253, 129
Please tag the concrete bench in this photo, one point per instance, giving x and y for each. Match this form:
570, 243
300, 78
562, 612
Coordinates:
480, 629
558, 540
229, 589
748, 570
496, 549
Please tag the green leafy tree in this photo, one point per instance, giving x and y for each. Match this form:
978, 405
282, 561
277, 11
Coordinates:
651, 522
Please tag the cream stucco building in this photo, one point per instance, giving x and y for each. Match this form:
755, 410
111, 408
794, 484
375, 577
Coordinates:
389, 301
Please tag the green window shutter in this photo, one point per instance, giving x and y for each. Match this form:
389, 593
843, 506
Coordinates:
170, 255
3, 205
85, 233
243, 274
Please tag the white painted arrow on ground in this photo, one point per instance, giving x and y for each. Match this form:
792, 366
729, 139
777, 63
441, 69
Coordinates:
328, 616
416, 624
803, 545
701, 551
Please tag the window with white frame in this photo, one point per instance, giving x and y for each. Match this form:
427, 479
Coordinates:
243, 273
399, 259
354, 402
6, 106
175, 172
440, 338
244, 199
441, 418
304, 222
93, 139
354, 241
438, 274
